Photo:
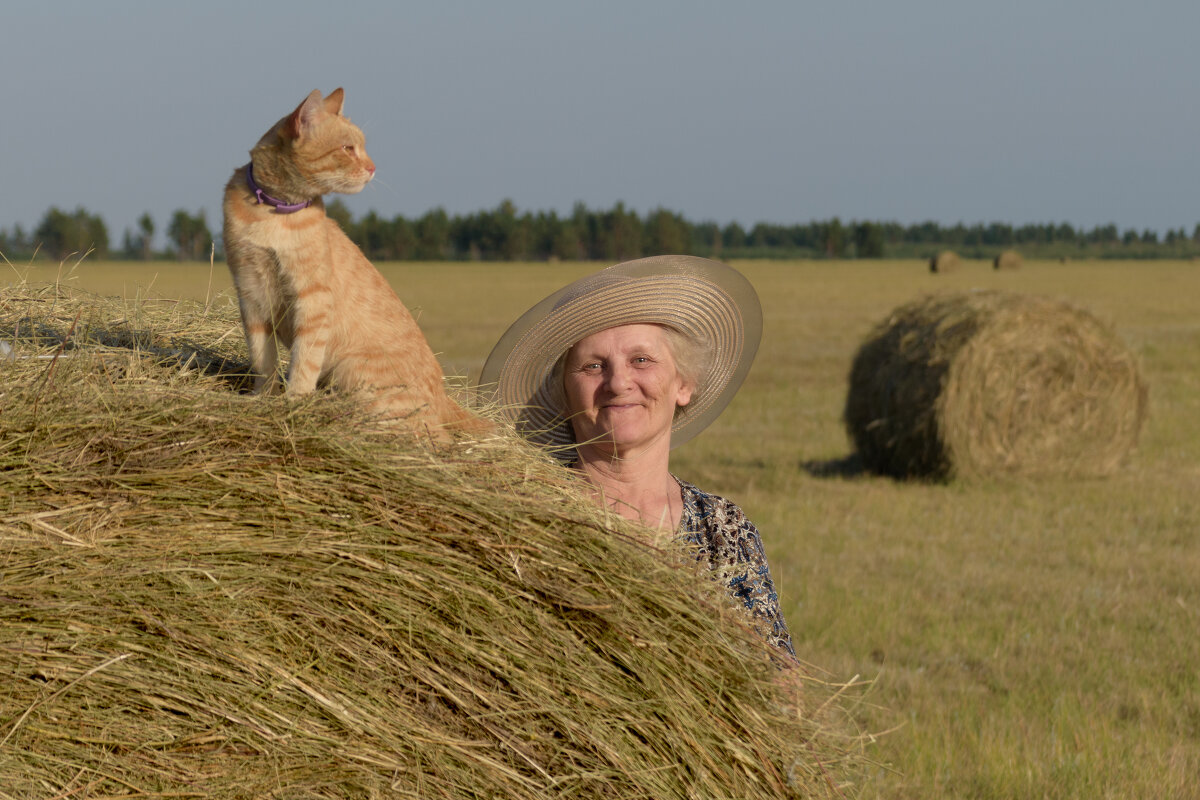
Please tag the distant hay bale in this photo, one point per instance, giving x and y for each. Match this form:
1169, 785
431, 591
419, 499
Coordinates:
993, 383
206, 594
1009, 259
945, 261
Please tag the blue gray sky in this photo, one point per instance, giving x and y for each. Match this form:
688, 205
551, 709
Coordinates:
761, 110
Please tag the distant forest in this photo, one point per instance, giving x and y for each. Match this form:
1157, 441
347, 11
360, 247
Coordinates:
506, 234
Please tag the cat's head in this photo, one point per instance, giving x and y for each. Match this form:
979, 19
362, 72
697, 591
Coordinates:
315, 150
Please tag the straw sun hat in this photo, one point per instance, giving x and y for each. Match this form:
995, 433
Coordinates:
705, 300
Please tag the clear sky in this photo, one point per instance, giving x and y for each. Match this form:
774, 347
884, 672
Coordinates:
780, 111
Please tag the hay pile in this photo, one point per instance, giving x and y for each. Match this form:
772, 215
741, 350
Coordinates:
205, 594
1009, 259
945, 261
988, 383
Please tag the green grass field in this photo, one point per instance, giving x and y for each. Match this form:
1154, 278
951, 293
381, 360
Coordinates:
1021, 639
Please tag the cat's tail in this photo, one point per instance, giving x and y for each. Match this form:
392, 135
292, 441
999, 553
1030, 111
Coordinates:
439, 418
460, 420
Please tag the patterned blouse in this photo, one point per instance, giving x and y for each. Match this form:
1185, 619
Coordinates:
730, 542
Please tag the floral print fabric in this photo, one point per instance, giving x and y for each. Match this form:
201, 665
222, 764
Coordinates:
721, 534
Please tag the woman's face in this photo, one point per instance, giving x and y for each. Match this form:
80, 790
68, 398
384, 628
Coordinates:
622, 388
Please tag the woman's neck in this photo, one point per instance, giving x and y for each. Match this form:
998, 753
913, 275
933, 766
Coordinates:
639, 488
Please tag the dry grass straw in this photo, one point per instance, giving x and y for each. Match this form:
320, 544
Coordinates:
1009, 259
993, 383
945, 261
206, 594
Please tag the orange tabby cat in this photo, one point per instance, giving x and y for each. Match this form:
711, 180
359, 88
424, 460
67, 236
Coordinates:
301, 282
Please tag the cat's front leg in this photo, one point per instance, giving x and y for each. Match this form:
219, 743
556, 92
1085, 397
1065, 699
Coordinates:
264, 357
261, 344
310, 340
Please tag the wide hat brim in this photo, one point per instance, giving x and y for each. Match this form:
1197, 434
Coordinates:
705, 299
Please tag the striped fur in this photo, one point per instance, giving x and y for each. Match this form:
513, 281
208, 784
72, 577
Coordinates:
303, 284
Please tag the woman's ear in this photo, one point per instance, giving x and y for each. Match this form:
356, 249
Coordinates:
684, 396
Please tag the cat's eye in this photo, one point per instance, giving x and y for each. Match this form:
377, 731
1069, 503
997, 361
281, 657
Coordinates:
349, 148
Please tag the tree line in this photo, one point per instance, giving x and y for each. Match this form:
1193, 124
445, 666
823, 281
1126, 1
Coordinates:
63, 234
616, 234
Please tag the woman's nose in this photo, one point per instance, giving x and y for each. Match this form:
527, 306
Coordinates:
618, 378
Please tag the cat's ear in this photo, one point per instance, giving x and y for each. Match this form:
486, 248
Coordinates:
305, 114
334, 101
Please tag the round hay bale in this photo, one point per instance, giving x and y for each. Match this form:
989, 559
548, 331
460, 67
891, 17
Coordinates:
945, 261
205, 594
993, 383
1009, 259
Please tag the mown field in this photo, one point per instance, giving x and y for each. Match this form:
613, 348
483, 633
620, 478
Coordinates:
1021, 639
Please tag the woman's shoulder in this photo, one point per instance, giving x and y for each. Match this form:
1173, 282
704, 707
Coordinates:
692, 490
729, 541
701, 507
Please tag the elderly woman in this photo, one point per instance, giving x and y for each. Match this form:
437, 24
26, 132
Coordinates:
619, 367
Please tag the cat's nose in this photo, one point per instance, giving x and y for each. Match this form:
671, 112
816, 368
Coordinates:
371, 167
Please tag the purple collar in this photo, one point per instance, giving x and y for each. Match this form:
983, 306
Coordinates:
266, 199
